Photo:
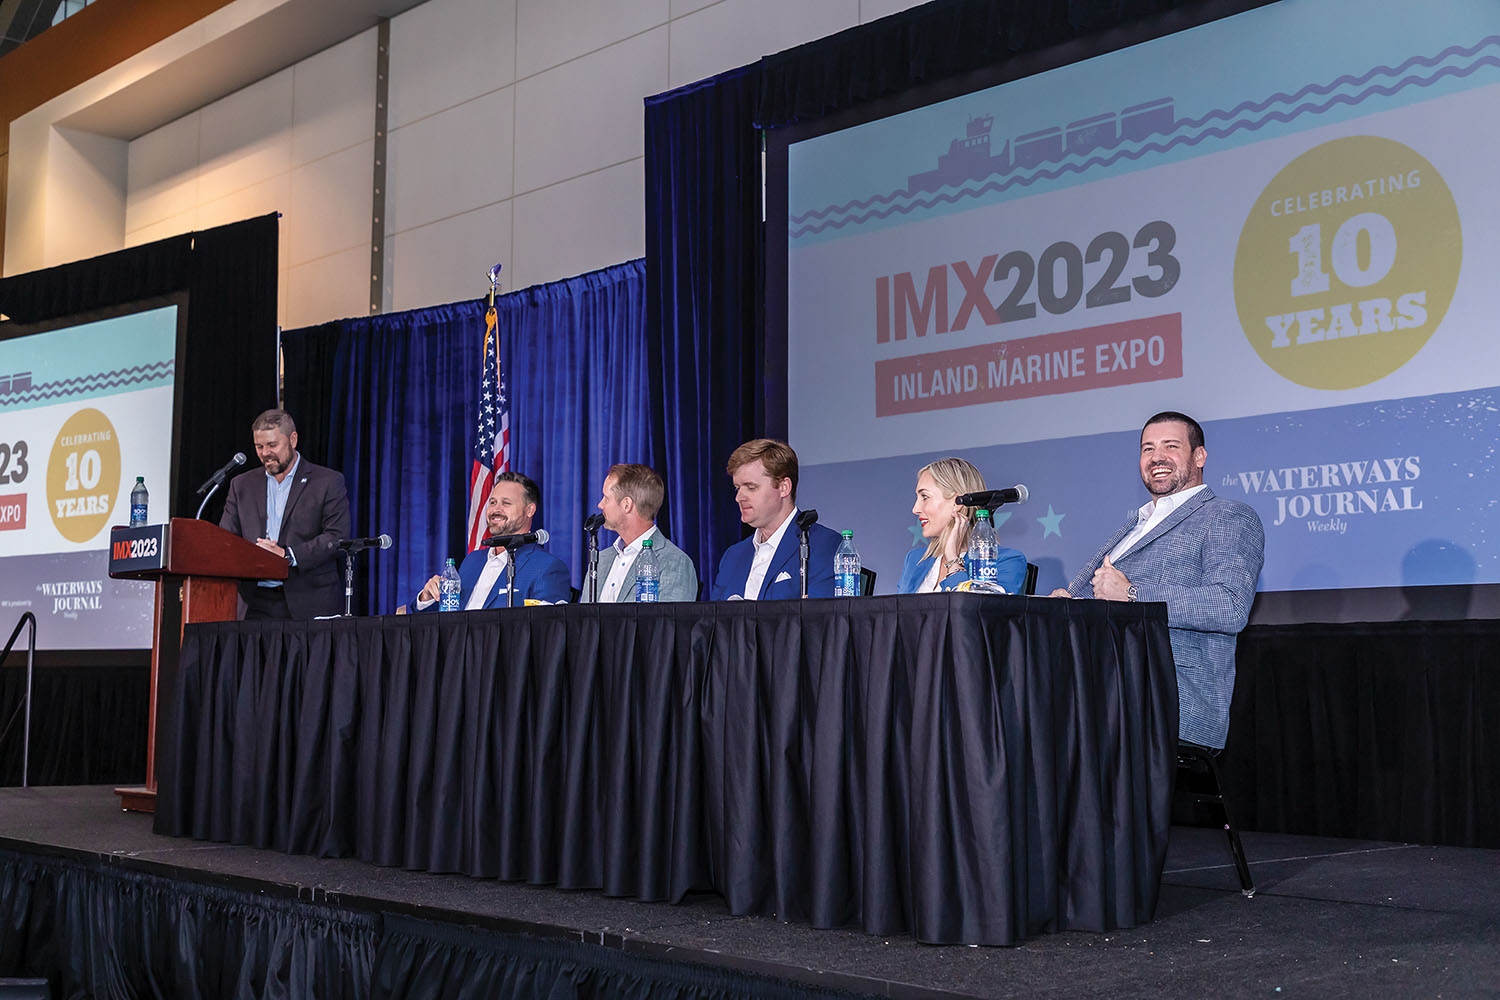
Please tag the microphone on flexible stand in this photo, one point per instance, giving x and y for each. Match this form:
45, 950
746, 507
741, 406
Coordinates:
993, 498
537, 537
359, 544
511, 543
805, 520
349, 546
212, 484
591, 526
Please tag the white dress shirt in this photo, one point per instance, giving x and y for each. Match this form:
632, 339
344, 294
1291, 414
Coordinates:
625, 557
494, 569
929, 584
764, 551
1149, 516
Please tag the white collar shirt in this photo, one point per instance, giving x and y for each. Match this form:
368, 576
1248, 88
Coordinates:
494, 568
765, 551
929, 584
1148, 517
625, 557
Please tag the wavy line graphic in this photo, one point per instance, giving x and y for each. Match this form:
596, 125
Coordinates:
81, 384
799, 222
1022, 180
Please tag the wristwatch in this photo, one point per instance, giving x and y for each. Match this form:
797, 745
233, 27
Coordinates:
1132, 593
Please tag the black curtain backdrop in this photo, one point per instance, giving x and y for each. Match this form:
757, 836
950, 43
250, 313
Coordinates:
105, 930
1383, 731
228, 365
88, 723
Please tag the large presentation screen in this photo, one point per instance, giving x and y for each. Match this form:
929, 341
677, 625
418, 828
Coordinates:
84, 410
1283, 223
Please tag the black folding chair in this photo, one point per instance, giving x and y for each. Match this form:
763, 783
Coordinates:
1205, 787
1029, 586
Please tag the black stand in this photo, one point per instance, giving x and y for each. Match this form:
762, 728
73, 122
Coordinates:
510, 577
349, 585
206, 498
593, 575
802, 553
805, 520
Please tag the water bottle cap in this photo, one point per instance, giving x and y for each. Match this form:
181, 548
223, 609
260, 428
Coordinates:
982, 513
140, 479
848, 534
450, 561
646, 543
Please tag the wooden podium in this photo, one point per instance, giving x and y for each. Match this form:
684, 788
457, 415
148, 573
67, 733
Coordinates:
197, 567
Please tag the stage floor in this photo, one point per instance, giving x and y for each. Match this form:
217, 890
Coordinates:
1331, 918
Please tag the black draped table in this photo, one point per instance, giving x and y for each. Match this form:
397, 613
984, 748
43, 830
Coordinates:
965, 768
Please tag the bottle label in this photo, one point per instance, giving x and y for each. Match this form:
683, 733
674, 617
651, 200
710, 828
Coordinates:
986, 571
647, 591
137, 514
846, 585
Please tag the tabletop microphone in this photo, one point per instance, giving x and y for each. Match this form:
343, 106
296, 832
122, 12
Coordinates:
806, 519
537, 537
993, 498
222, 474
593, 522
356, 544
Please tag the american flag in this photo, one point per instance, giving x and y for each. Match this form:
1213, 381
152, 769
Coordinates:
491, 432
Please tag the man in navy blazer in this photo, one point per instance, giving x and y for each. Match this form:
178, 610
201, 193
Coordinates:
540, 575
766, 566
1200, 554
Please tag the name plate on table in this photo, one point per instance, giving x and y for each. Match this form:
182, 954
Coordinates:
133, 550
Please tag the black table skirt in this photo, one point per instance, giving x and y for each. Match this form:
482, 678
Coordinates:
963, 768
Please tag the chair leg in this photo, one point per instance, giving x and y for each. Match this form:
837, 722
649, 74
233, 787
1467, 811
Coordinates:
1236, 849
1190, 754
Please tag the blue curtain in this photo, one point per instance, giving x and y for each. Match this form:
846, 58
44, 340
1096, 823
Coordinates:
391, 402
574, 354
704, 308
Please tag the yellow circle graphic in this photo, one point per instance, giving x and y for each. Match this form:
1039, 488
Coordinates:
1347, 262
83, 475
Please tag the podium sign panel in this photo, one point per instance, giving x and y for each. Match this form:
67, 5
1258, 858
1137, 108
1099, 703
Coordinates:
197, 567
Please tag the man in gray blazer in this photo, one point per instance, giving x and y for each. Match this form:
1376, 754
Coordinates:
1198, 553
632, 495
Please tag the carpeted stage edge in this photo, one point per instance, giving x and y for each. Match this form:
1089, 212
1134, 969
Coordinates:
93, 900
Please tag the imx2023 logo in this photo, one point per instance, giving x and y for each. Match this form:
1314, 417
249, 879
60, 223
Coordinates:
1347, 263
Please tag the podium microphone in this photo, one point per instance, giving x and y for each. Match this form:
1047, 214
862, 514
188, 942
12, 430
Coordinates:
223, 474
537, 537
211, 486
993, 498
358, 544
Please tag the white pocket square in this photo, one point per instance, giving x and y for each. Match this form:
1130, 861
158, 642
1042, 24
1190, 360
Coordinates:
782, 578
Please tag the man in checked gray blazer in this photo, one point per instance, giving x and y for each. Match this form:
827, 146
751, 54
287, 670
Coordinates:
632, 496
1200, 554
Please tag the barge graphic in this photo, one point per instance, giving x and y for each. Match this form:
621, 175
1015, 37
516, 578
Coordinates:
969, 158
973, 166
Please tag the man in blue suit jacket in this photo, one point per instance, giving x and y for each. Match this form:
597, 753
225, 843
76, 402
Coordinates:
766, 566
1200, 554
540, 575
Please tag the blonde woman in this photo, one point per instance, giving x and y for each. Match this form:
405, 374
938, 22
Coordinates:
946, 527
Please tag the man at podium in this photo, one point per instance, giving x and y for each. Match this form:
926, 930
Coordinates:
297, 511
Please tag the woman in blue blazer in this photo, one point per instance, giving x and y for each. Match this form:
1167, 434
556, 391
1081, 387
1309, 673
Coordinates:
946, 527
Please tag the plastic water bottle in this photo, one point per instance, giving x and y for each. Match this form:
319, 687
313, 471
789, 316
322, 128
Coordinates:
984, 550
647, 575
139, 499
449, 586
846, 568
